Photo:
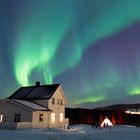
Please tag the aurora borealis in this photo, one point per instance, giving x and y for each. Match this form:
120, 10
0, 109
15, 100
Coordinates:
91, 47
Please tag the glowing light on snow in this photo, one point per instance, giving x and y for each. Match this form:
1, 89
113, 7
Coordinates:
106, 122
132, 112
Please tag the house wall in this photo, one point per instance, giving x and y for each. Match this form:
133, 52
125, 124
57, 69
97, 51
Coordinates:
57, 109
9, 109
24, 125
40, 124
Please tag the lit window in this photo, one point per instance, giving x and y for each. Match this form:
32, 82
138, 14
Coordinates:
41, 117
61, 117
53, 100
52, 118
1, 117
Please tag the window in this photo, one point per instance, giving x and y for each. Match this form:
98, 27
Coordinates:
52, 118
53, 100
41, 117
61, 117
1, 117
17, 118
58, 101
61, 102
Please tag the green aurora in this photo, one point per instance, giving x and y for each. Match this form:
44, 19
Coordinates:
52, 37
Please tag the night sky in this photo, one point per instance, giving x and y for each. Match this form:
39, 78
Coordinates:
91, 47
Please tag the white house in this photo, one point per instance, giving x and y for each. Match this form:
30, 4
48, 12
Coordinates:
39, 106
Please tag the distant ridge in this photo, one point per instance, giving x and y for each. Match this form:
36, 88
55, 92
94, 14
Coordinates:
116, 113
120, 107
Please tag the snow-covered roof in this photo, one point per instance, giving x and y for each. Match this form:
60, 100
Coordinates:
30, 105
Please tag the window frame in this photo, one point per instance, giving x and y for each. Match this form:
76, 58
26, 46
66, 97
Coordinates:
61, 117
17, 117
53, 101
52, 118
1, 118
58, 102
41, 117
61, 102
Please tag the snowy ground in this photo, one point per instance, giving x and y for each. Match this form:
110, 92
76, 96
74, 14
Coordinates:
77, 132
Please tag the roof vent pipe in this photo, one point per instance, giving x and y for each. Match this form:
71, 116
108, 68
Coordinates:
37, 83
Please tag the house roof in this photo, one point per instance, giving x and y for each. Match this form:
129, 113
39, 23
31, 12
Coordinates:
26, 104
35, 92
31, 105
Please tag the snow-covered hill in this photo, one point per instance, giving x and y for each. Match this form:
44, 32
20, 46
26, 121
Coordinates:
76, 132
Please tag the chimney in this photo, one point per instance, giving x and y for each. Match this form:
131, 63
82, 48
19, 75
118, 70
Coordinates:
37, 83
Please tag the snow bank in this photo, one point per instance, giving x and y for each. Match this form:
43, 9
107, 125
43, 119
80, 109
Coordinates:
76, 132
